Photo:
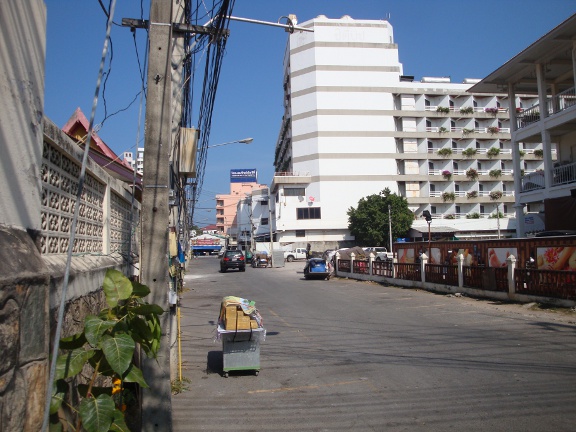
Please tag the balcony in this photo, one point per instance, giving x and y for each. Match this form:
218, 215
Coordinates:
554, 105
562, 174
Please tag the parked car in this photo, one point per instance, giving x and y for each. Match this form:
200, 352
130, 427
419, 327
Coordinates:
316, 268
380, 253
232, 259
298, 253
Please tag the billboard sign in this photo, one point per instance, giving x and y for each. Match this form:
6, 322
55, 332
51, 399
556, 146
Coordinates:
243, 176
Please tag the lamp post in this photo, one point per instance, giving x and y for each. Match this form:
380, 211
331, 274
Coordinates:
390, 229
242, 141
428, 218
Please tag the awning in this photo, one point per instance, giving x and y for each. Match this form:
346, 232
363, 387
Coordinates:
435, 229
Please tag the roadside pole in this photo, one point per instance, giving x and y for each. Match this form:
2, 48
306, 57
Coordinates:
157, 400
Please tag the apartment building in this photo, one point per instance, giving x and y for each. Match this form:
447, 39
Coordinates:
355, 124
546, 70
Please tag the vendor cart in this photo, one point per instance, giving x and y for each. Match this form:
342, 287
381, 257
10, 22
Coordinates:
241, 350
241, 331
317, 268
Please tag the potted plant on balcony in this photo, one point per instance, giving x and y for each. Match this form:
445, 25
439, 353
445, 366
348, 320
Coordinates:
469, 152
493, 129
467, 110
450, 216
442, 129
472, 194
472, 174
495, 195
445, 151
448, 196
539, 153
495, 173
491, 110
522, 153
447, 174
466, 131
443, 110
473, 215
493, 151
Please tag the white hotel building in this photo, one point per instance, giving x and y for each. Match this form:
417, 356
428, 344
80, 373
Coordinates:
354, 125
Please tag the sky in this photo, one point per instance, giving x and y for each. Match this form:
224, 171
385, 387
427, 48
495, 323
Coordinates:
455, 38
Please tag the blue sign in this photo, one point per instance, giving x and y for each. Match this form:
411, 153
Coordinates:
243, 176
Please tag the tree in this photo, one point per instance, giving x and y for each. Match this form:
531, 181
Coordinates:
368, 223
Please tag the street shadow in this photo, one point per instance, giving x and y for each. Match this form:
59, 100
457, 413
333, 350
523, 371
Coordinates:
214, 362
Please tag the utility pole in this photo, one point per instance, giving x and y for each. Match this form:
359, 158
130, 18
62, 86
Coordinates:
390, 228
157, 400
270, 227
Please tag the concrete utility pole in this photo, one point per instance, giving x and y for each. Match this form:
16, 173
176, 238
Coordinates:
157, 400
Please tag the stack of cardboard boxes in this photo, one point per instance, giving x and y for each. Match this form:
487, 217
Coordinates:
236, 319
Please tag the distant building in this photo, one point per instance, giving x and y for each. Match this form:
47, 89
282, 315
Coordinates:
137, 162
355, 124
242, 183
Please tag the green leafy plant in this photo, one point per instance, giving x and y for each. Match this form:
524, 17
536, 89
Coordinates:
450, 216
522, 153
495, 173
106, 348
472, 194
445, 151
493, 151
498, 215
539, 153
443, 110
467, 110
442, 129
448, 196
469, 152
473, 216
466, 131
493, 129
472, 174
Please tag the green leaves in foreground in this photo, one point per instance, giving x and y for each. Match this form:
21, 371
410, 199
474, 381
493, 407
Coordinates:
107, 344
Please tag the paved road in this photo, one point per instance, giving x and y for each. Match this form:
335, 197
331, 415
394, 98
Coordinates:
343, 355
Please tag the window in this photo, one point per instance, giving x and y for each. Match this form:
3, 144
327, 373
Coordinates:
294, 192
505, 209
455, 166
454, 144
433, 209
300, 233
430, 146
219, 202
308, 213
451, 103
264, 221
426, 103
456, 188
264, 202
479, 166
432, 187
458, 209
482, 209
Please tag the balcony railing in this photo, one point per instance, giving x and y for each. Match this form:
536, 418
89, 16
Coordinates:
564, 174
554, 105
533, 181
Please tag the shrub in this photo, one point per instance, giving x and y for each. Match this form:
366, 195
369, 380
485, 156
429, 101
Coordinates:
472, 174
498, 215
445, 151
442, 129
467, 110
539, 153
495, 173
469, 152
493, 151
448, 196
473, 216
446, 174
450, 216
466, 131
522, 153
491, 110
495, 195
472, 194
493, 129
107, 344
443, 110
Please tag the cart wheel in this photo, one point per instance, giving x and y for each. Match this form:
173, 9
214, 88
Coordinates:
226, 374
256, 373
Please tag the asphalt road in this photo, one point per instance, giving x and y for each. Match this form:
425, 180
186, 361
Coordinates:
344, 355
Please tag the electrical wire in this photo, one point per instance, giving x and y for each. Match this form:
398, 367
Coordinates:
81, 179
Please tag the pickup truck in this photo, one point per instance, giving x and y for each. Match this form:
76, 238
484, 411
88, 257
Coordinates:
380, 253
298, 253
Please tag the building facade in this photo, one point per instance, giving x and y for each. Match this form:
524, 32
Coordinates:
355, 124
242, 183
546, 70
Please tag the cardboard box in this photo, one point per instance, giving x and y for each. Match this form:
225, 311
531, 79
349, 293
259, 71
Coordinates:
243, 323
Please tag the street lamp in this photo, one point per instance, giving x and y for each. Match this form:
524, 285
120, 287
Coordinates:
242, 141
428, 218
